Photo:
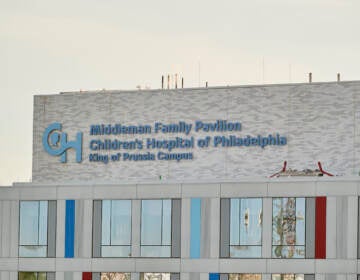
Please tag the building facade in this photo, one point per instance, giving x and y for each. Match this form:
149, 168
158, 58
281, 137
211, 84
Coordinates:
177, 184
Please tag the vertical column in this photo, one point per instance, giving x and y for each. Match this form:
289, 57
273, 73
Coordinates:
341, 226
69, 228
60, 275
2, 224
185, 228
176, 228
194, 275
60, 228
136, 228
135, 276
224, 228
320, 228
68, 275
310, 228
195, 228
267, 224
51, 231
5, 235
214, 227
352, 234
331, 228
97, 222
83, 229
14, 250
205, 233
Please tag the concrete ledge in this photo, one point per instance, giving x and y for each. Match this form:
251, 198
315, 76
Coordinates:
200, 190
243, 190
112, 264
73, 264
242, 266
114, 192
336, 188
200, 265
159, 191
336, 266
290, 266
38, 193
36, 264
157, 265
75, 192
291, 189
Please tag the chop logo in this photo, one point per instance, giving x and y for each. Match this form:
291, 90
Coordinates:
56, 144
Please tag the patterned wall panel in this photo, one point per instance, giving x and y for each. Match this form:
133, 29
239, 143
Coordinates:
320, 121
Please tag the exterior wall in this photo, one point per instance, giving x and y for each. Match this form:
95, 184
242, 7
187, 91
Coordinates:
320, 120
341, 253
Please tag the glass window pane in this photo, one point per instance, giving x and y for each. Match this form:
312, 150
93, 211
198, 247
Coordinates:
27, 275
284, 219
244, 276
234, 221
156, 251
41, 275
105, 227
33, 251
120, 222
283, 251
300, 221
151, 219
286, 276
43, 213
276, 277
166, 226
155, 276
250, 221
116, 251
276, 221
115, 276
29, 223
245, 251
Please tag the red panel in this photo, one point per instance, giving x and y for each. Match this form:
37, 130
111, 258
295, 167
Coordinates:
320, 228
87, 276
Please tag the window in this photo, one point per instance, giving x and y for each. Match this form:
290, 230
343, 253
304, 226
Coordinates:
155, 276
37, 229
116, 228
35, 275
288, 238
156, 228
244, 276
240, 227
245, 227
115, 276
288, 276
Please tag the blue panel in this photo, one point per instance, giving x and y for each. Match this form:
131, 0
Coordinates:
69, 228
214, 276
195, 228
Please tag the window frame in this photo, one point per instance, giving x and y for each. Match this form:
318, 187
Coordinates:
272, 228
162, 220
102, 224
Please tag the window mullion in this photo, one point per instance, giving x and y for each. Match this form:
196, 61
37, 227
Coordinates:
38, 224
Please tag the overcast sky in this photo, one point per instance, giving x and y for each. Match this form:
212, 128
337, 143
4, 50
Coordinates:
52, 46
